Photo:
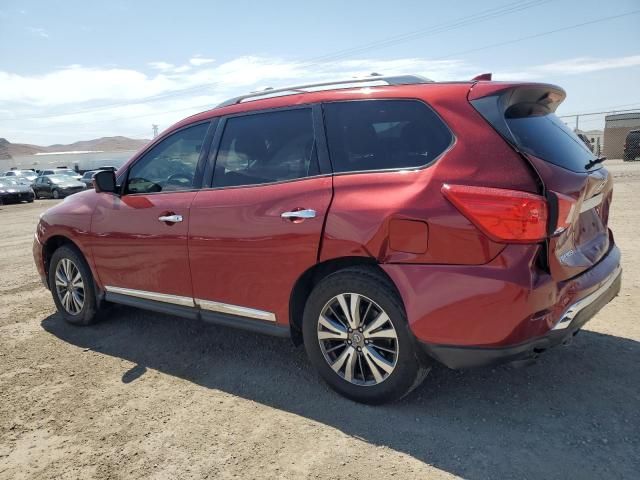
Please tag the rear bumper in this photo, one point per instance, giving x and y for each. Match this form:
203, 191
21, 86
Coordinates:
505, 310
570, 323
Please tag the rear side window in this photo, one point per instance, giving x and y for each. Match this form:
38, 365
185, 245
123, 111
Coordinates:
547, 137
266, 147
383, 134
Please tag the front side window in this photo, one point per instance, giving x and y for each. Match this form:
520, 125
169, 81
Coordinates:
170, 165
383, 134
265, 148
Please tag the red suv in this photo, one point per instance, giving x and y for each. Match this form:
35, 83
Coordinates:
386, 223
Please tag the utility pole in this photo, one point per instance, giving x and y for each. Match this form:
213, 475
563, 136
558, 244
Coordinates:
155, 130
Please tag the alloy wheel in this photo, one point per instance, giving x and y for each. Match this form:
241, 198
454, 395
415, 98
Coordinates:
69, 286
358, 339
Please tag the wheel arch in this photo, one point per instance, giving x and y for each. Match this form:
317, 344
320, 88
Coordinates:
312, 276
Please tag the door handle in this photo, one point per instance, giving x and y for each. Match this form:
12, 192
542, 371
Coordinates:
299, 214
170, 218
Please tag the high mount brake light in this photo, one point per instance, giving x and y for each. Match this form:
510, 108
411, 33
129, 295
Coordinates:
507, 216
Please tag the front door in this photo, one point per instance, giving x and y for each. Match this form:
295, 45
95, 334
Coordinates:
258, 229
139, 239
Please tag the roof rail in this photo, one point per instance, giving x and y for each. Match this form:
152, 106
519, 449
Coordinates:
271, 92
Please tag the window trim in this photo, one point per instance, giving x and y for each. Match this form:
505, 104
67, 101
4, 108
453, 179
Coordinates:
452, 143
318, 136
200, 165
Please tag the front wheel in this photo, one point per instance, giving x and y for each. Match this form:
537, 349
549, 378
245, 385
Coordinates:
72, 287
356, 335
56, 194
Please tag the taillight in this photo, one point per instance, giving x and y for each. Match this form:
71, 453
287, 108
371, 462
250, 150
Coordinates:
566, 212
503, 215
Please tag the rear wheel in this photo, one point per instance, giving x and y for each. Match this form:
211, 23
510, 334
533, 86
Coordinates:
72, 287
356, 335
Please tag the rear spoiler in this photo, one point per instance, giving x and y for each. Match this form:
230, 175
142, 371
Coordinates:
497, 101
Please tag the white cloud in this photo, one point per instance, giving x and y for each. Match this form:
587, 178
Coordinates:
79, 101
199, 61
161, 65
39, 32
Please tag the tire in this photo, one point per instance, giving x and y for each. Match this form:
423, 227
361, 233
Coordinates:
86, 314
55, 194
403, 370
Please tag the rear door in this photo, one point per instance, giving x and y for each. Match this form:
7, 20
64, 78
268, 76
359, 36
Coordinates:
258, 229
577, 186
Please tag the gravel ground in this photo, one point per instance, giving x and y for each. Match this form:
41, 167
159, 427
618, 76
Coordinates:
153, 396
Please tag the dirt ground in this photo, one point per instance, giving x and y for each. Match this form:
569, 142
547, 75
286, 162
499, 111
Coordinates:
144, 395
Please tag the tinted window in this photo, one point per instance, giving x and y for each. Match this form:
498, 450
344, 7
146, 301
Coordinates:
383, 134
266, 147
170, 165
547, 137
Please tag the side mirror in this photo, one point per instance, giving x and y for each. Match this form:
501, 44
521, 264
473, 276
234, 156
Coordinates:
104, 181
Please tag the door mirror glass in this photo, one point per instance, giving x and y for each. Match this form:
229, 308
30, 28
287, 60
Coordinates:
105, 182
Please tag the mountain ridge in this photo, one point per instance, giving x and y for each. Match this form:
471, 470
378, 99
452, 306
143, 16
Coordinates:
118, 143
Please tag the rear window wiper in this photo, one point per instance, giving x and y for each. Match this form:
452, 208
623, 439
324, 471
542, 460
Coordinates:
593, 162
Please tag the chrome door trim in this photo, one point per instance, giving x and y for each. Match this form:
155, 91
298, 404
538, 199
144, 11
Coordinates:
235, 310
158, 297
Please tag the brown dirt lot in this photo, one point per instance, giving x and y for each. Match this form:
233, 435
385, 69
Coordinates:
149, 395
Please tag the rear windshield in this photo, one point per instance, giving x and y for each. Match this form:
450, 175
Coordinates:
547, 137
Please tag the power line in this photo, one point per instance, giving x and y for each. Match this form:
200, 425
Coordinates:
432, 30
599, 113
372, 45
541, 34
435, 29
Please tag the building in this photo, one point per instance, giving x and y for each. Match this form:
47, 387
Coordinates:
616, 128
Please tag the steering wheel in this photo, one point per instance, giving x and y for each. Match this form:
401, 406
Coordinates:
180, 179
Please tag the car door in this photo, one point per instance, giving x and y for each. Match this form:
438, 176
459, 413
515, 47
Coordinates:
255, 232
139, 238
44, 187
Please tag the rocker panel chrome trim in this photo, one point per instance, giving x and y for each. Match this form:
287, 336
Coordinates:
235, 310
158, 297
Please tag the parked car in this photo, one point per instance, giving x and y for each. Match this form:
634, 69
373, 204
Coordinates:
12, 191
585, 140
56, 186
632, 145
384, 227
28, 175
87, 178
61, 171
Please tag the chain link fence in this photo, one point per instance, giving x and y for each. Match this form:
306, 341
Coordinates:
607, 132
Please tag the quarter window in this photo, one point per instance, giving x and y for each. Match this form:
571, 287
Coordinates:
383, 134
266, 147
171, 165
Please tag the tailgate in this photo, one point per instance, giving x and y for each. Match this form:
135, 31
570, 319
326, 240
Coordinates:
577, 188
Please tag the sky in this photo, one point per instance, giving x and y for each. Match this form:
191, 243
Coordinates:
76, 70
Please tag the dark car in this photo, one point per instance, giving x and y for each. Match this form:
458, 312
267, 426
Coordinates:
61, 171
384, 225
56, 186
12, 191
87, 177
632, 145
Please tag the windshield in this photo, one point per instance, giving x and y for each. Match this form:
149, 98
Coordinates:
66, 172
